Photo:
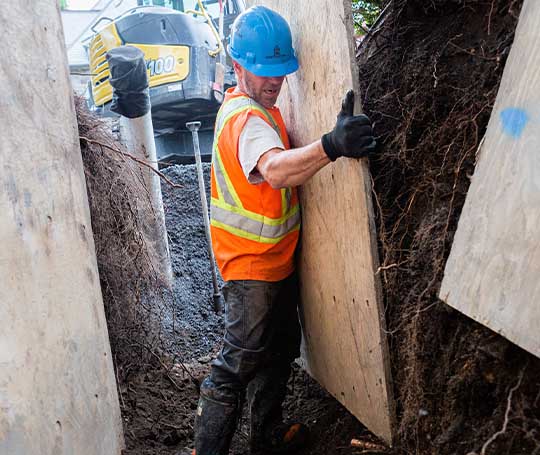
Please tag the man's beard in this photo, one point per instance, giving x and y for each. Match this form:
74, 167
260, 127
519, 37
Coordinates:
266, 101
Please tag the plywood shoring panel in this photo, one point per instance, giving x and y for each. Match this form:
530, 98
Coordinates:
344, 345
57, 386
492, 274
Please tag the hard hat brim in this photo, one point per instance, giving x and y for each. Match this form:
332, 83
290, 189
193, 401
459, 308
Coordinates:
281, 69
266, 70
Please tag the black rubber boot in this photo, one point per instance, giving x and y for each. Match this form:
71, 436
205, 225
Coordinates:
216, 420
268, 432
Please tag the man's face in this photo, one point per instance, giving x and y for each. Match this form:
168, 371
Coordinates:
264, 90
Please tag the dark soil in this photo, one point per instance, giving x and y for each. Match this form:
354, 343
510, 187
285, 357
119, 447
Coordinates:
430, 76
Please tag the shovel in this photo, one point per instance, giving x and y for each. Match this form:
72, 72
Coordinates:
194, 128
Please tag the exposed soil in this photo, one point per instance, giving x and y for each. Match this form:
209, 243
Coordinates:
430, 74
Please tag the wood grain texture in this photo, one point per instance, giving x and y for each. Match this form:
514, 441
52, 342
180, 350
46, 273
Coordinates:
345, 347
493, 272
57, 385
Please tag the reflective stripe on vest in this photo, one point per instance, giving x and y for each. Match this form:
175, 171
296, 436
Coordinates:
228, 212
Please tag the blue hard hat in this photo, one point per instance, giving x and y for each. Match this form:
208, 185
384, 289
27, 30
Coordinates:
261, 42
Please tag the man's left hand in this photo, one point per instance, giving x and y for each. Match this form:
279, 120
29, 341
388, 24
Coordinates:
352, 136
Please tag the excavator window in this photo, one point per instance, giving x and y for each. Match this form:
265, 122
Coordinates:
157, 29
174, 4
212, 7
231, 7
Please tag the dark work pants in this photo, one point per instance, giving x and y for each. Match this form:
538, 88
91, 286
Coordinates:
262, 338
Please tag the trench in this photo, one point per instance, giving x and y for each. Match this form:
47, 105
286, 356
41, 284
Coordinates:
162, 401
452, 376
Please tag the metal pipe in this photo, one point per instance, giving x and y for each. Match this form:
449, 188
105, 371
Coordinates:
194, 128
138, 136
220, 31
131, 100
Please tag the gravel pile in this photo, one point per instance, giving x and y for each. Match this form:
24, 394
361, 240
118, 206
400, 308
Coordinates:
191, 328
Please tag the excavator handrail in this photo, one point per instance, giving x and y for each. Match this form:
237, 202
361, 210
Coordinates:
101, 19
204, 13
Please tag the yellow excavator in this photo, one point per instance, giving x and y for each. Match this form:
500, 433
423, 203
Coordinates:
185, 60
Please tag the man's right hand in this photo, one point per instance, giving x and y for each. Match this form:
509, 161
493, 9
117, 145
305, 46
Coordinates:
352, 136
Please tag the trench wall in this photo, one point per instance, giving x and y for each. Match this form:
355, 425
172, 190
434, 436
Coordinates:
57, 387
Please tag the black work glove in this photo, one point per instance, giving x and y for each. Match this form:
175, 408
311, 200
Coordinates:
352, 136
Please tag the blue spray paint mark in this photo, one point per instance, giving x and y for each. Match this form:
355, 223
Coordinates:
514, 121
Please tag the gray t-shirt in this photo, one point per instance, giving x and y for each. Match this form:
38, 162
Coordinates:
257, 138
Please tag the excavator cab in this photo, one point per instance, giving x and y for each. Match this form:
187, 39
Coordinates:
187, 69
231, 9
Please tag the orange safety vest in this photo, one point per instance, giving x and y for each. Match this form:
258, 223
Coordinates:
254, 228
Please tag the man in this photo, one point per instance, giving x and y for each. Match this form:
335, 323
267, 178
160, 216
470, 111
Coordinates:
255, 221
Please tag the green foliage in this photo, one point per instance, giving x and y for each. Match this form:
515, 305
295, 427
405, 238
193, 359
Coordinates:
365, 13
63, 4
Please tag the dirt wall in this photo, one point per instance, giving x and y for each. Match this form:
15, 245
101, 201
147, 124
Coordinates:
430, 74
